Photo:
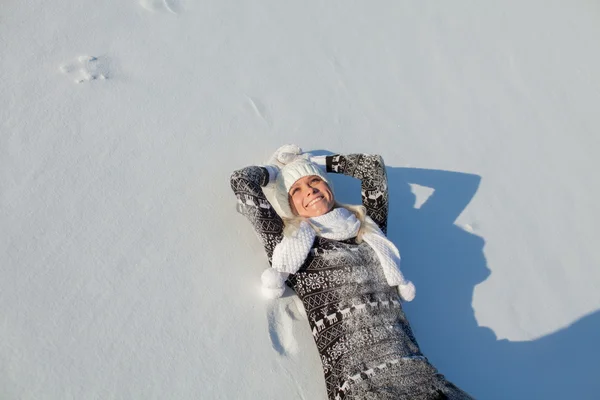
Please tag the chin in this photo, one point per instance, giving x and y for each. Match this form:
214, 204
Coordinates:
318, 213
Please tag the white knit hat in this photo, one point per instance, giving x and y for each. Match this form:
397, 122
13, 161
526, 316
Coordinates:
288, 175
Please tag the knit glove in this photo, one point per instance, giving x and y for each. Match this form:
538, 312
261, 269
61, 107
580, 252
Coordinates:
407, 291
273, 283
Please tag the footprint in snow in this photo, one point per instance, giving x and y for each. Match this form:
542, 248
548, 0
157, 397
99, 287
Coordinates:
86, 68
259, 109
173, 6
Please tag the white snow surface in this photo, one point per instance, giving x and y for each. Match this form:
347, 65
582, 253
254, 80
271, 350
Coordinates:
126, 272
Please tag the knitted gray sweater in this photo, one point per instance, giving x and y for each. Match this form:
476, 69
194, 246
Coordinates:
366, 345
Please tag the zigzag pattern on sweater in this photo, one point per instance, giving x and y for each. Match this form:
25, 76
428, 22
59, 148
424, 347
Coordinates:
356, 318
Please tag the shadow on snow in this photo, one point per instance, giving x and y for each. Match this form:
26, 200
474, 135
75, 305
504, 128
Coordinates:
446, 263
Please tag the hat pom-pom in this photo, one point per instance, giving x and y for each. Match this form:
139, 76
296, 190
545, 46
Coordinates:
407, 291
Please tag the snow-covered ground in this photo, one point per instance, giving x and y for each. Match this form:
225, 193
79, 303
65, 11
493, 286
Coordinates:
126, 272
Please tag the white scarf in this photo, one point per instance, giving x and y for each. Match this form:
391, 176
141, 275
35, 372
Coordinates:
338, 224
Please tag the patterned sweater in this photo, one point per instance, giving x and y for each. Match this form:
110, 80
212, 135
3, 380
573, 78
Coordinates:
366, 345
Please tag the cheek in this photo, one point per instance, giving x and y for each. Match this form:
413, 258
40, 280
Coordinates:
296, 202
329, 194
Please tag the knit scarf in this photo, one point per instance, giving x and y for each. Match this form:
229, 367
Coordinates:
338, 224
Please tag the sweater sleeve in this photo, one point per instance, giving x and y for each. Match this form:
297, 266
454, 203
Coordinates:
247, 185
370, 169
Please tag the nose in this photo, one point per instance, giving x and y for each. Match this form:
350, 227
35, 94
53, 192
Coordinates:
312, 190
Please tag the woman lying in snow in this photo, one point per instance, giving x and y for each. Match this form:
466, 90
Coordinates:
346, 272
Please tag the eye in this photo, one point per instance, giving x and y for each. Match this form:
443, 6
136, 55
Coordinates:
315, 180
294, 190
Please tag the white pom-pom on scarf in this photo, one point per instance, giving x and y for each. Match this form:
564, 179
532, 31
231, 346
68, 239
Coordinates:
273, 283
407, 291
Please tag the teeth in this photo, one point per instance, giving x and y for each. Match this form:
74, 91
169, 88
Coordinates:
314, 201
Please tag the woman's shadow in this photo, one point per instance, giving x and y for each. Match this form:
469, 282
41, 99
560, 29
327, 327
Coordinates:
446, 262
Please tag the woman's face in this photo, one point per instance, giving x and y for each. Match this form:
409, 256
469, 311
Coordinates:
310, 196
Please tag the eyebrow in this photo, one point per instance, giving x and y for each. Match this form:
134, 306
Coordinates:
295, 185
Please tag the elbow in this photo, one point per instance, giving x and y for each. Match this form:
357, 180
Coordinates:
246, 177
234, 178
374, 157
237, 178
377, 160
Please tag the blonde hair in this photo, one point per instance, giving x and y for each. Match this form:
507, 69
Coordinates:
291, 225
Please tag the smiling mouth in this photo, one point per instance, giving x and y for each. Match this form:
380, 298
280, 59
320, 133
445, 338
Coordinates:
314, 201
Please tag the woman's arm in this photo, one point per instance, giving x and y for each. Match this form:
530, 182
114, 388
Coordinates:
246, 183
370, 169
